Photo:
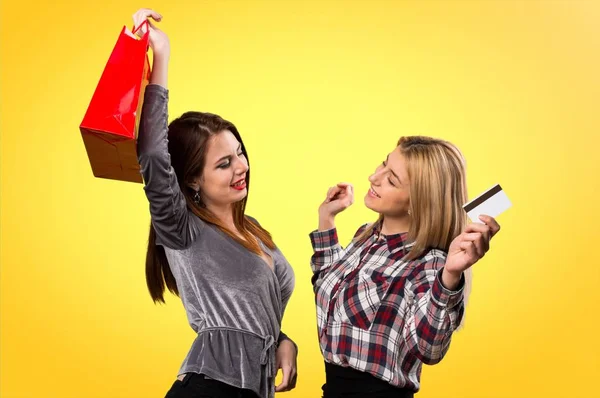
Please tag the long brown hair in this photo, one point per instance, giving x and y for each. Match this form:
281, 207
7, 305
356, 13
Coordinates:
188, 138
438, 189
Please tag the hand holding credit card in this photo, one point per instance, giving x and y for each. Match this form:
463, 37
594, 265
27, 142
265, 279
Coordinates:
491, 203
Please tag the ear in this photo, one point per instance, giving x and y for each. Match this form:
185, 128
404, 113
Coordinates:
195, 184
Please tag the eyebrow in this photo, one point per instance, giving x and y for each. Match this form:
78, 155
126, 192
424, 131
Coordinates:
395, 175
227, 157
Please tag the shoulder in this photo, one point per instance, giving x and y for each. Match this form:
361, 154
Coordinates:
252, 220
362, 229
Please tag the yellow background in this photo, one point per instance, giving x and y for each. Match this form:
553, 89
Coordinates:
320, 91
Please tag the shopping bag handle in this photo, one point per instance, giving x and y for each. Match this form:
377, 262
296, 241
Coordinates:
134, 29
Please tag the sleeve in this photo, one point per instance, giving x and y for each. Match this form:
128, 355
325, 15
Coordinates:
168, 209
326, 250
434, 314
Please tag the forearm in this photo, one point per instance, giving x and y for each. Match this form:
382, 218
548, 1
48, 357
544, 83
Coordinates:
160, 68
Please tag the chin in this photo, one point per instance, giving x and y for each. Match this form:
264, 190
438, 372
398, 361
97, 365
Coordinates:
241, 194
369, 204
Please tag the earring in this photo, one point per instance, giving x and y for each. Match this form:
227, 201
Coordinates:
197, 198
409, 213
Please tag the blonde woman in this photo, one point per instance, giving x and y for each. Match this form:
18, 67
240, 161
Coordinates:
390, 301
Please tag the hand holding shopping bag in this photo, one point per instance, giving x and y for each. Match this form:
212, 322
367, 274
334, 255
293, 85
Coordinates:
110, 125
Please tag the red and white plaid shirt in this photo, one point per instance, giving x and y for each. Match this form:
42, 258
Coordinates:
378, 313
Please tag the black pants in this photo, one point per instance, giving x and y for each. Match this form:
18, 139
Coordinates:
195, 385
344, 382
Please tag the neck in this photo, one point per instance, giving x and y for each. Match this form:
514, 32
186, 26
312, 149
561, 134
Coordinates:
224, 214
395, 225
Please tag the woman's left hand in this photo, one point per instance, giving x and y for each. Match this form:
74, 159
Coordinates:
286, 361
468, 248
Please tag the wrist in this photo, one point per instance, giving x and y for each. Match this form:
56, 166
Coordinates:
161, 58
326, 222
159, 71
451, 279
289, 342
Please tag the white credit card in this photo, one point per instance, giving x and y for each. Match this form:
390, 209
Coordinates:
491, 203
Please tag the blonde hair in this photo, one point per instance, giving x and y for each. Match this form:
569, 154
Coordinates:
438, 189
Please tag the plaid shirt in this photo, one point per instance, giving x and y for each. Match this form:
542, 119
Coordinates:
378, 313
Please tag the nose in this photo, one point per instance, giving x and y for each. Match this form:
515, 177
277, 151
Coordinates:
241, 166
375, 178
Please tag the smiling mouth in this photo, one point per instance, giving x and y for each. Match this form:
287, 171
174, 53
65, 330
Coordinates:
373, 193
239, 185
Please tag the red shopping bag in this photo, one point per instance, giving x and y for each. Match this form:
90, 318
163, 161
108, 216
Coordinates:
110, 125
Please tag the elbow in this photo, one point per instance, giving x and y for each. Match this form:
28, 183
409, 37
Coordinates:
428, 357
431, 359
431, 354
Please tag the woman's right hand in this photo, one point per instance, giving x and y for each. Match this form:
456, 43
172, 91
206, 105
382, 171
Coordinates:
338, 199
159, 42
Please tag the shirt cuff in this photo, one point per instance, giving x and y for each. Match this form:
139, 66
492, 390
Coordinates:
446, 298
324, 240
283, 336
157, 88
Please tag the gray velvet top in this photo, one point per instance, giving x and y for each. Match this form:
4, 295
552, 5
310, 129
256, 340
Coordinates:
234, 301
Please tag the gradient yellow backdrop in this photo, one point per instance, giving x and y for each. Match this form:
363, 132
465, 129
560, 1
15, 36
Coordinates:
321, 91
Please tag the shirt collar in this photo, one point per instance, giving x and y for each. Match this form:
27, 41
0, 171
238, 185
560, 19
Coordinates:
395, 242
